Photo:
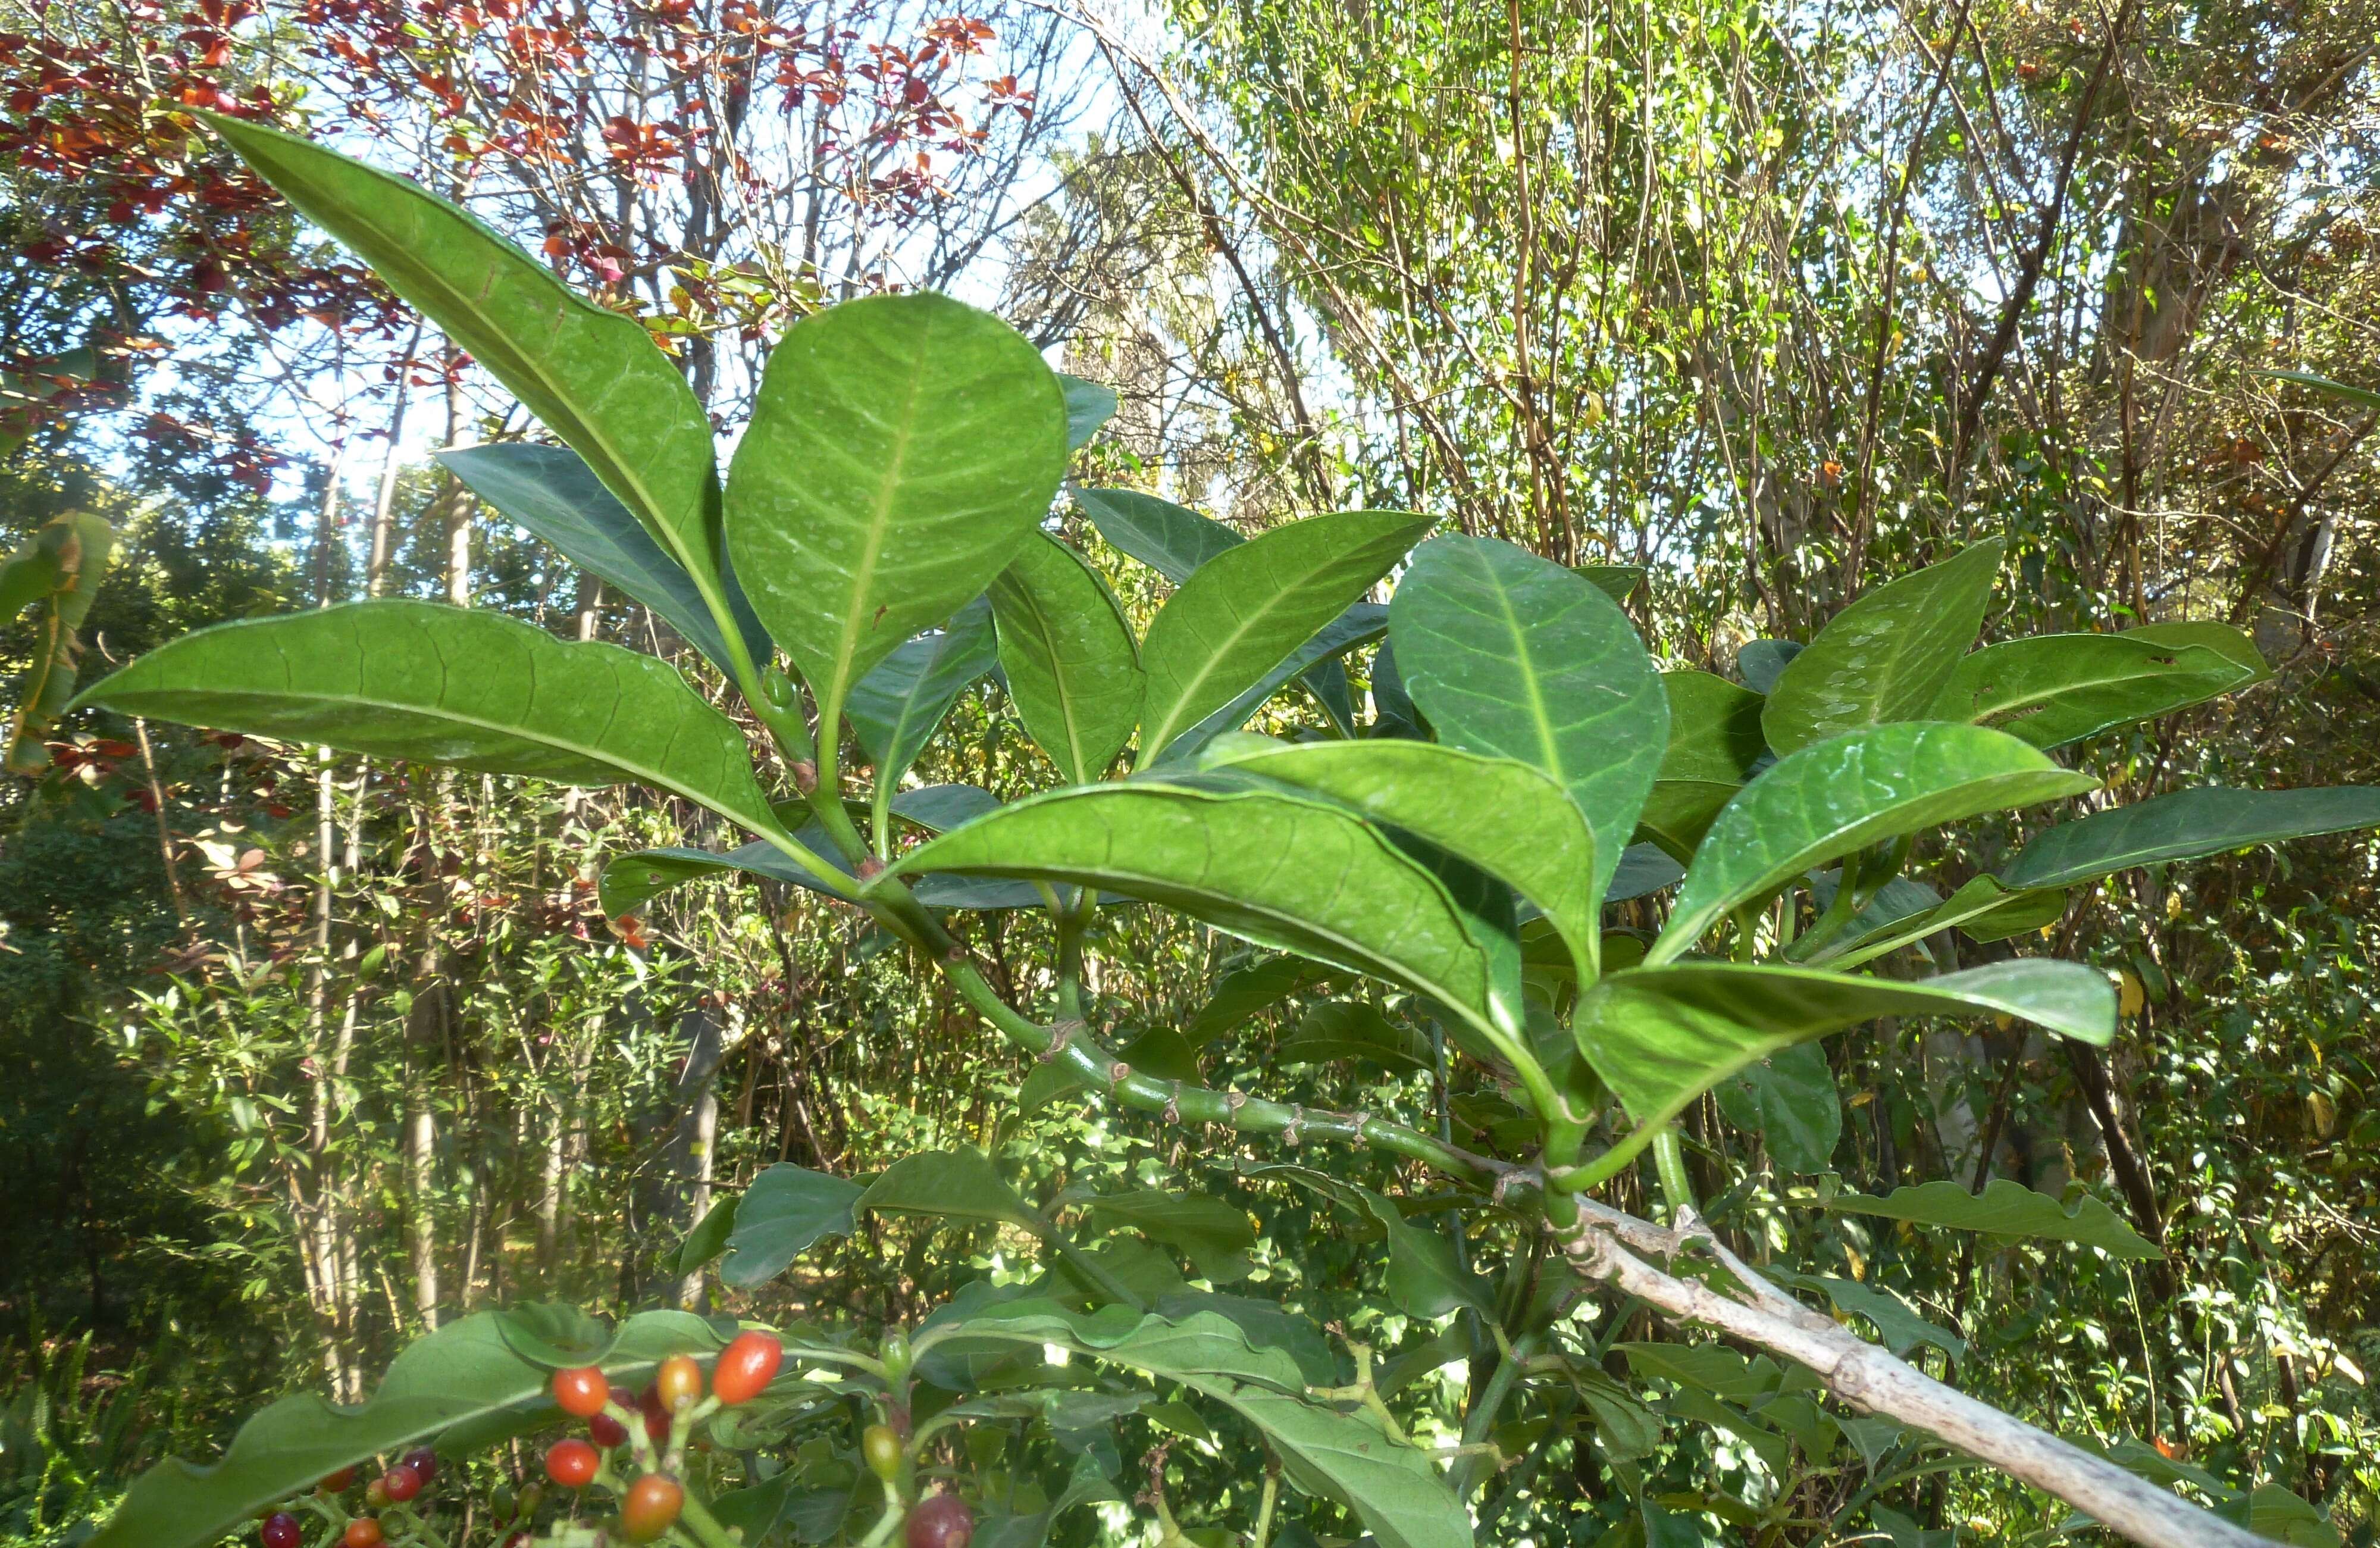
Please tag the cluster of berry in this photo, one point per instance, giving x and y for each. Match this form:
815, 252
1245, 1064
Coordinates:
398, 1485
654, 1427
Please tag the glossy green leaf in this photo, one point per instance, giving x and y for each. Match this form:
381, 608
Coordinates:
1644, 869
1424, 1277
2187, 825
552, 493
461, 1373
1616, 581
1073, 666
1394, 1490
1715, 739
1169, 539
1245, 992
1353, 1029
1761, 661
1789, 1099
2055, 688
594, 377
1089, 405
1247, 608
1661, 1036
1359, 625
895, 709
553, 1336
1514, 656
1985, 908
1510, 819
2206, 634
1282, 871
1888, 656
2005, 1209
448, 685
1211, 1233
708, 1239
956, 1184
902, 450
786, 1210
940, 807
2362, 397
1847, 792
57, 573
633, 880
1896, 1321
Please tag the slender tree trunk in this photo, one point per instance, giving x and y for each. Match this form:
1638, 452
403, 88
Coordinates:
385, 496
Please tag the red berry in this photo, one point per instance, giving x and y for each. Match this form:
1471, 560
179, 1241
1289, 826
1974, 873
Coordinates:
582, 1392
572, 1464
400, 1483
657, 1418
336, 1483
376, 1493
943, 1521
362, 1532
678, 1382
281, 1531
422, 1460
651, 1506
605, 1430
746, 1367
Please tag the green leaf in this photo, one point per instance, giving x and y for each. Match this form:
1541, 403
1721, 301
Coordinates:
1089, 405
1395, 1490
2362, 397
1073, 667
633, 880
2055, 688
1986, 909
2187, 825
1715, 739
1661, 1036
594, 377
957, 1184
61, 566
450, 684
1211, 1233
940, 807
708, 1239
1845, 793
1888, 656
461, 1373
895, 709
1245, 991
554, 1337
1789, 1099
1170, 540
1616, 581
2005, 1209
786, 1210
1515, 656
902, 450
551, 492
1761, 661
1245, 609
1359, 625
2207, 635
1901, 1328
1285, 871
1353, 1029
1509, 819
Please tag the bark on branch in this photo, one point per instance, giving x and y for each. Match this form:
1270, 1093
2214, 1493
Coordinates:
1613, 1249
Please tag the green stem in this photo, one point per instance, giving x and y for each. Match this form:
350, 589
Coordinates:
706, 1528
1265, 1503
1669, 1160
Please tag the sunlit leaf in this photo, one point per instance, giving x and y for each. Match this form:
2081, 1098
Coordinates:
2054, 688
1514, 656
2185, 825
1840, 795
1073, 666
1888, 656
1659, 1037
1245, 609
900, 451
2005, 1209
